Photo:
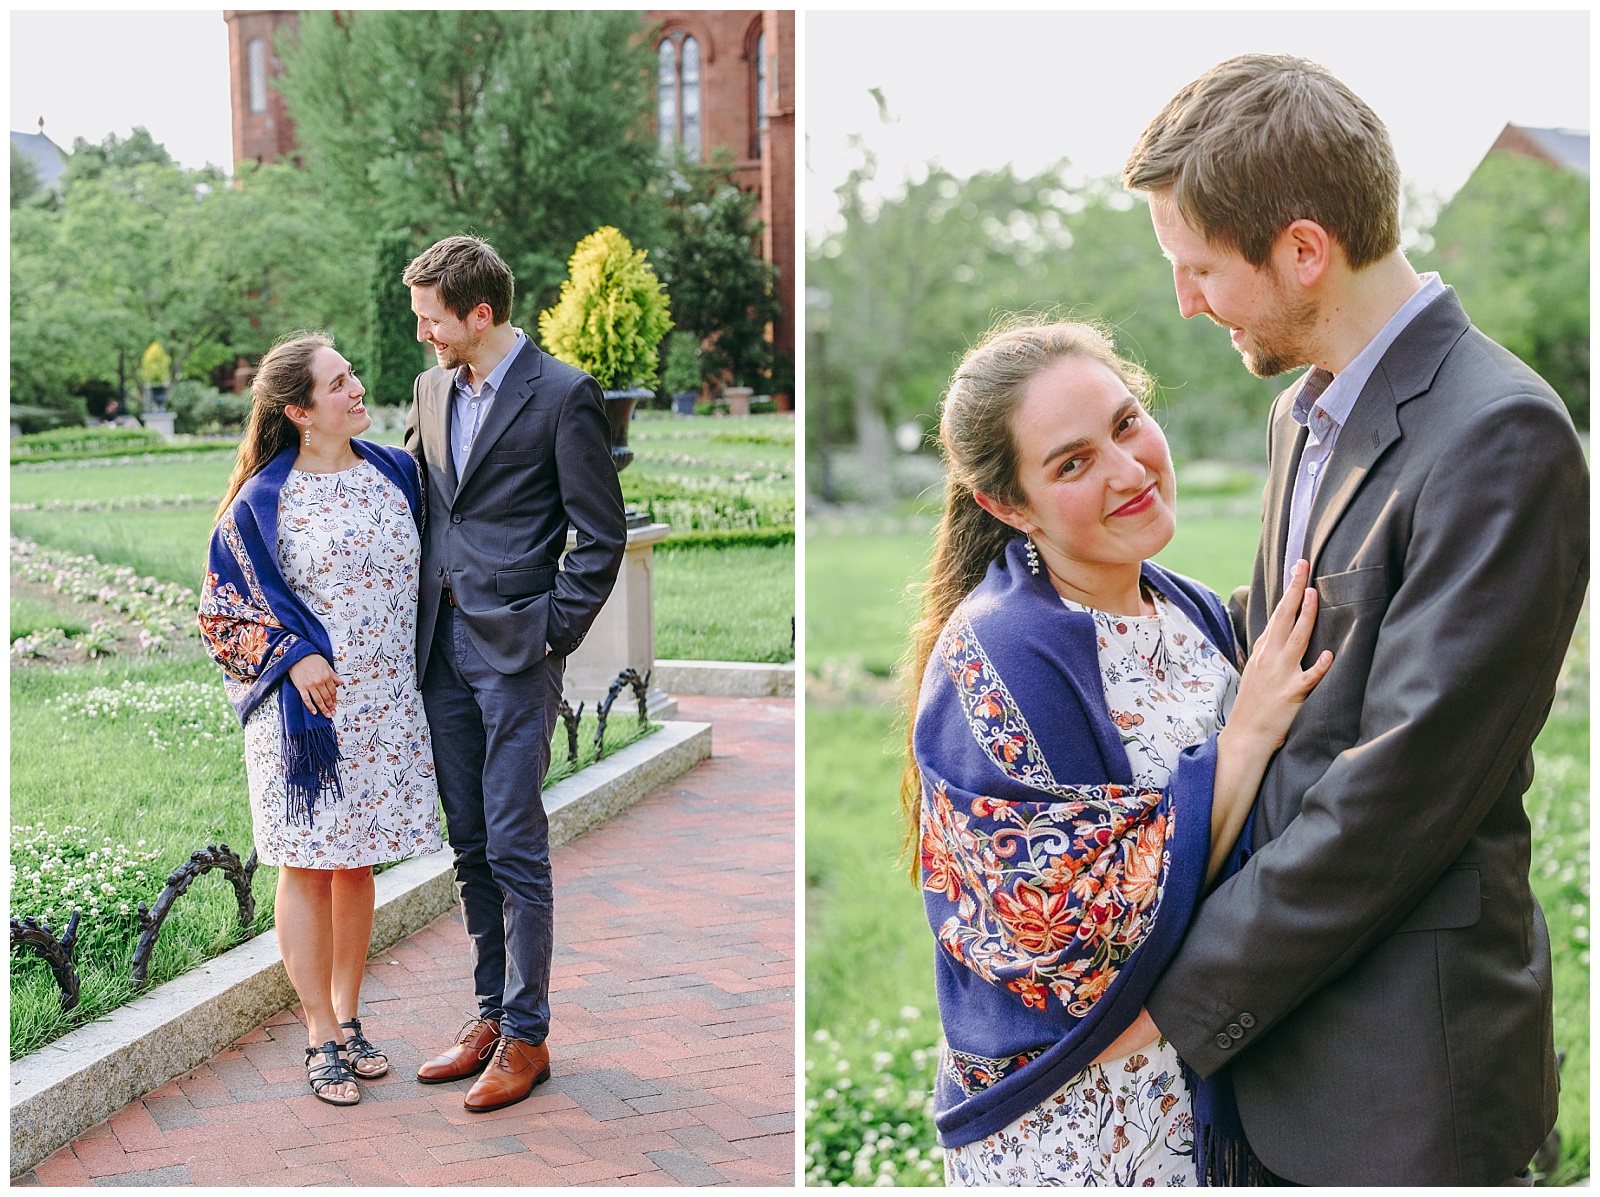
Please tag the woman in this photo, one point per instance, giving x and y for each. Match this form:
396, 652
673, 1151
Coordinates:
312, 578
1085, 756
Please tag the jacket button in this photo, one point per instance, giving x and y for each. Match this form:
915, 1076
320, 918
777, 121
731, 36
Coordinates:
1235, 1031
1247, 1020
455, 519
1224, 1042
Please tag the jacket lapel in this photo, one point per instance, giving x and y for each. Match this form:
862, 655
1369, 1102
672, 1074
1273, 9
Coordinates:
436, 432
516, 388
1288, 439
1403, 373
1370, 429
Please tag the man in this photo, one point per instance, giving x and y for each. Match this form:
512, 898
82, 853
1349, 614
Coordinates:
513, 446
1377, 976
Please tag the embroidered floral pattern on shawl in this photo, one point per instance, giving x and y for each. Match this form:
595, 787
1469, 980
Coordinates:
1050, 896
240, 633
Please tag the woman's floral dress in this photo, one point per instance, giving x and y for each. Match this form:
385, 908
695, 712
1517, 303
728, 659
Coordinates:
348, 547
1126, 1121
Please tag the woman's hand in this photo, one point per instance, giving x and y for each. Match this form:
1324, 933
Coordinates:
317, 683
1273, 686
1141, 1034
1271, 691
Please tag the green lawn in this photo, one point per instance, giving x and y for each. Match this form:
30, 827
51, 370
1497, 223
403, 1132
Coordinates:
725, 604
731, 604
868, 948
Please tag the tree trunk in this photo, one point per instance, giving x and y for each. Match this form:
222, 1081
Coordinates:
872, 444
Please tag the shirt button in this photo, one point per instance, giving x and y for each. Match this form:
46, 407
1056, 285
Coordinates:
455, 519
1247, 1020
1224, 1042
1311, 468
1235, 1031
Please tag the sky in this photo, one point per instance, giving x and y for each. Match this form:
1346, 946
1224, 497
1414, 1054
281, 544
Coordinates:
973, 90
978, 90
93, 73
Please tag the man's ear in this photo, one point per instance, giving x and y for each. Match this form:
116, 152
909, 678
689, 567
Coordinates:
1005, 513
482, 317
1304, 251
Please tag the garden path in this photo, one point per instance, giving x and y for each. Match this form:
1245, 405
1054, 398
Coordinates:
672, 1008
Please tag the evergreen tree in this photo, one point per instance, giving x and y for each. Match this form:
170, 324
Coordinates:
722, 290
394, 356
528, 128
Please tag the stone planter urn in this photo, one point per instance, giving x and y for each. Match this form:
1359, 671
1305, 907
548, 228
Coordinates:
619, 411
738, 400
683, 402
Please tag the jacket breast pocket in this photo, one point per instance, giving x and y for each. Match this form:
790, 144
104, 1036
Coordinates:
1353, 586
1454, 901
519, 583
515, 457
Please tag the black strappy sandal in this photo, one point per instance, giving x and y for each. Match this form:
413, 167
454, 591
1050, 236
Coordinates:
360, 1048
332, 1071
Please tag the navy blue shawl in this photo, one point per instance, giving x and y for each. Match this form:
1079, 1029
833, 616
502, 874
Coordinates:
255, 627
1056, 888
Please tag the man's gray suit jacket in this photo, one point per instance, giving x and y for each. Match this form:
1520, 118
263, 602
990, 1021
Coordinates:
496, 534
1378, 973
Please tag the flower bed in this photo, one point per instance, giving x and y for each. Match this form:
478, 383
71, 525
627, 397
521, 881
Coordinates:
869, 1112
162, 611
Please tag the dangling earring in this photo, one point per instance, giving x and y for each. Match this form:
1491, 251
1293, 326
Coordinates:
1033, 557
307, 442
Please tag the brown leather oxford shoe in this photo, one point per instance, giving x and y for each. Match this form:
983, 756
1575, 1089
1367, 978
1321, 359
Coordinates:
470, 1055
516, 1068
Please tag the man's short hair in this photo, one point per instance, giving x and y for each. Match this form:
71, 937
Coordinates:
467, 272
1263, 140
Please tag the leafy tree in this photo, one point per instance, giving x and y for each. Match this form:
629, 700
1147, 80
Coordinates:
722, 291
302, 260
1514, 242
25, 182
526, 127
153, 250
913, 281
612, 313
53, 335
394, 357
90, 161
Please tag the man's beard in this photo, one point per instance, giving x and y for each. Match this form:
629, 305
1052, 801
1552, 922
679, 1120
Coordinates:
456, 356
1282, 344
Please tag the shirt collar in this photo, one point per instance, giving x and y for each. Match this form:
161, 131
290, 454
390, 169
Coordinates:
1329, 410
491, 385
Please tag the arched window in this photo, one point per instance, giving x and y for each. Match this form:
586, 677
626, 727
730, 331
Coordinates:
256, 52
678, 94
759, 85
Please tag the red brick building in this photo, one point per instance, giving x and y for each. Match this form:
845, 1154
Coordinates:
725, 79
262, 129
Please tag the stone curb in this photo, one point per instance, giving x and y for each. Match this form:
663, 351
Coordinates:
89, 1074
726, 679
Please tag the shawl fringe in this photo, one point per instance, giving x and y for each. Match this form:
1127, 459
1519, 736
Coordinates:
1222, 1155
310, 759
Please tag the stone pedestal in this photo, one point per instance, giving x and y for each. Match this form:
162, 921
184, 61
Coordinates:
160, 421
624, 633
738, 400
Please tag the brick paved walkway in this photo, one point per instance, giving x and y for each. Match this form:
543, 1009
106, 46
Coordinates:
672, 1022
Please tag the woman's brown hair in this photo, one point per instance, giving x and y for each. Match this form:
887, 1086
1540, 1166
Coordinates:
284, 377
980, 456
